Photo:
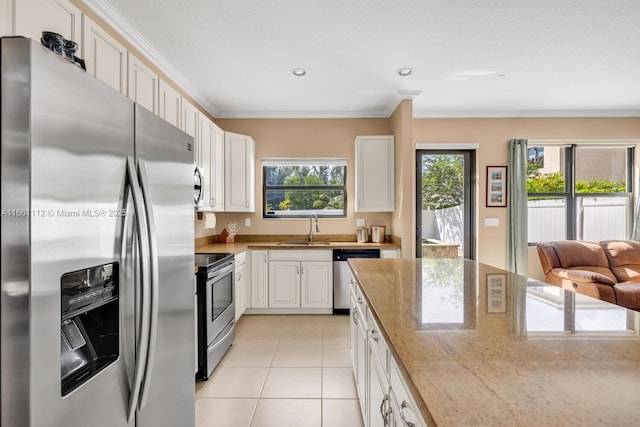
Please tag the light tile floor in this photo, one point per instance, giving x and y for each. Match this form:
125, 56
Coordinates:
283, 370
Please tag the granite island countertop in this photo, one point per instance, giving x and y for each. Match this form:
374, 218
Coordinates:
479, 346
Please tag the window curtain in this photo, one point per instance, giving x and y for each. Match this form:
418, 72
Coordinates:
517, 241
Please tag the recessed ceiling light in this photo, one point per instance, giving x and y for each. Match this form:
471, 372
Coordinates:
404, 72
299, 72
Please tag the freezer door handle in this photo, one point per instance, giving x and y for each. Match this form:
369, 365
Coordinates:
155, 288
143, 244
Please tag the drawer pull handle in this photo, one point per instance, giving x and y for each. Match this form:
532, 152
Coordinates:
355, 316
384, 412
372, 333
405, 405
360, 300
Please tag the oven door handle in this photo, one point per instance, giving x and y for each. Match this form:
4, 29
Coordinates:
221, 272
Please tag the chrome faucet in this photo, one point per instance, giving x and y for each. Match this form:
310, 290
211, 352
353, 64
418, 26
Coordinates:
311, 226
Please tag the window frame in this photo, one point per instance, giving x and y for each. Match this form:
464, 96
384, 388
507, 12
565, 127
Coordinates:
571, 197
303, 162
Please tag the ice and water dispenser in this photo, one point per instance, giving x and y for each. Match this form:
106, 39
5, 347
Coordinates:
89, 325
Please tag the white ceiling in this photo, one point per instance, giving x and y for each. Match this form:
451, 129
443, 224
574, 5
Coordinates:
471, 58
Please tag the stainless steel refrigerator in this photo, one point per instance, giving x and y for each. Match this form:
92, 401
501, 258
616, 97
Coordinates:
97, 249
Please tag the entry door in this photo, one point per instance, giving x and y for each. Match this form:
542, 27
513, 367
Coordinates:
445, 199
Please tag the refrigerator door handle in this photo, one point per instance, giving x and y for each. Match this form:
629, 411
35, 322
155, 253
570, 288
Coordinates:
155, 287
143, 242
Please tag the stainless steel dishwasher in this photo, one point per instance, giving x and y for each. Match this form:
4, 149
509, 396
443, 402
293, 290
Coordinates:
341, 275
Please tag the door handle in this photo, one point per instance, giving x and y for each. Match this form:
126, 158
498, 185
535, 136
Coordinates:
155, 287
143, 244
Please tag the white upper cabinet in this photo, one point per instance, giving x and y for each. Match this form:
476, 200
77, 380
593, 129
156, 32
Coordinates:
170, 104
143, 84
375, 174
104, 56
210, 158
190, 121
6, 18
239, 174
32, 17
217, 168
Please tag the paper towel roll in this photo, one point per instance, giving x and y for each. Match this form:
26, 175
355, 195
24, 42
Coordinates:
209, 219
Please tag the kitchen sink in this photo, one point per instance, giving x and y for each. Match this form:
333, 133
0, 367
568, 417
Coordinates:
304, 243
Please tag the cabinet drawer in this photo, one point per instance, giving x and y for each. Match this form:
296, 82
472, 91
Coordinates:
408, 410
240, 258
377, 342
300, 255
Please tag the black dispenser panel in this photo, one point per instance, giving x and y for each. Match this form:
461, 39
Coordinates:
89, 324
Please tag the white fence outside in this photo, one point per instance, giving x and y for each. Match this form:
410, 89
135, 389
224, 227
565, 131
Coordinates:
598, 218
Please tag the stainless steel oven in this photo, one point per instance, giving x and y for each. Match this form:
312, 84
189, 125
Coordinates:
216, 309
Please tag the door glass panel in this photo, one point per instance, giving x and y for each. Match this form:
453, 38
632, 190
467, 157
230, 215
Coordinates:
441, 197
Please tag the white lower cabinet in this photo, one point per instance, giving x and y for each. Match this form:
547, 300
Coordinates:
300, 279
240, 284
284, 284
378, 397
385, 400
404, 410
259, 279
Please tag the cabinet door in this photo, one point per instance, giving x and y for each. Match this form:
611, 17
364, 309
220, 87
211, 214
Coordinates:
239, 175
190, 117
143, 84
240, 286
217, 169
204, 148
169, 103
378, 396
6, 18
32, 17
375, 174
104, 56
259, 279
361, 363
284, 284
317, 284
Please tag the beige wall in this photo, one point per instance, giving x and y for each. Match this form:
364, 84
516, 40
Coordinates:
404, 223
492, 136
304, 138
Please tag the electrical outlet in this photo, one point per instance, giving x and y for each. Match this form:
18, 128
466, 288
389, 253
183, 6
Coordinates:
247, 222
360, 222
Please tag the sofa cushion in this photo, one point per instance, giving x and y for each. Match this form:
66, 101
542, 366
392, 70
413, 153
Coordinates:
586, 274
574, 253
628, 295
624, 258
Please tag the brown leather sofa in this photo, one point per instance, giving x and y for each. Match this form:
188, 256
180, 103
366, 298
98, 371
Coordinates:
608, 270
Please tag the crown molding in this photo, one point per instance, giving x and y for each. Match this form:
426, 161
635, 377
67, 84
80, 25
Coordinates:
111, 16
523, 114
302, 115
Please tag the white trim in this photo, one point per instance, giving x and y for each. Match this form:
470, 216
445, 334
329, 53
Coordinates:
303, 115
506, 114
447, 146
586, 141
304, 161
106, 12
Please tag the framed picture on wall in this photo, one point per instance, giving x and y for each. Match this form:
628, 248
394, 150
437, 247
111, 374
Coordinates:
496, 186
496, 293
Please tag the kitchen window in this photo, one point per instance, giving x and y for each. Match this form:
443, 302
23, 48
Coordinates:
579, 192
297, 188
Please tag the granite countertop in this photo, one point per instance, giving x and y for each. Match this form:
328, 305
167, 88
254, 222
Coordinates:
236, 248
480, 346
